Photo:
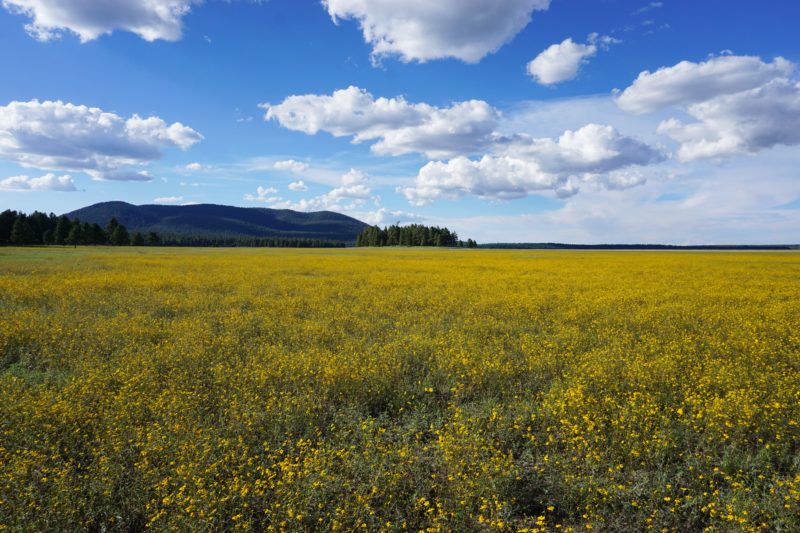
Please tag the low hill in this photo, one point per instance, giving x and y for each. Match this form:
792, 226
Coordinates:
210, 220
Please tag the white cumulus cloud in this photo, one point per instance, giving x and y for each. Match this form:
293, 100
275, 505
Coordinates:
397, 126
594, 154
352, 192
298, 186
421, 30
89, 19
168, 200
384, 217
687, 83
263, 194
744, 122
560, 62
740, 105
291, 165
48, 182
194, 167
54, 135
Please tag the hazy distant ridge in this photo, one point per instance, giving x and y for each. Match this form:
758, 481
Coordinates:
213, 220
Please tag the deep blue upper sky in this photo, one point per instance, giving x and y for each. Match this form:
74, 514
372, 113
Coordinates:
659, 184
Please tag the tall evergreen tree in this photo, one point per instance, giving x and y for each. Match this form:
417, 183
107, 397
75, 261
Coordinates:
63, 225
120, 236
75, 236
22, 232
7, 219
111, 226
153, 239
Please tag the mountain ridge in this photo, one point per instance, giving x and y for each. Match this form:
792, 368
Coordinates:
216, 220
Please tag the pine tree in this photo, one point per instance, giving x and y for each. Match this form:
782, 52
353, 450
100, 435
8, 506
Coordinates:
120, 236
153, 239
63, 225
75, 237
22, 232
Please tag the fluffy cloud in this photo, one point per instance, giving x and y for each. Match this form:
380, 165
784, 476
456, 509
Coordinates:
593, 148
744, 122
560, 62
384, 216
490, 177
149, 19
194, 167
291, 165
168, 200
397, 126
263, 194
740, 105
687, 83
352, 193
421, 30
48, 182
754, 201
594, 154
298, 186
354, 185
63, 136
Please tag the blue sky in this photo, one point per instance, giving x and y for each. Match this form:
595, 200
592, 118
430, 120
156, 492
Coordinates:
510, 120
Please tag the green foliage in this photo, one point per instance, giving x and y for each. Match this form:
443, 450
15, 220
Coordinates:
410, 235
22, 233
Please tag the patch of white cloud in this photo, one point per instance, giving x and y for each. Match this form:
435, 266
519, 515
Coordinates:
298, 186
688, 83
649, 7
263, 194
741, 201
421, 30
48, 182
740, 105
745, 122
352, 192
384, 217
194, 167
397, 126
89, 19
54, 135
594, 154
562, 62
168, 200
291, 165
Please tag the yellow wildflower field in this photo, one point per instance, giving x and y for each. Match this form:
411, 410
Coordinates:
398, 389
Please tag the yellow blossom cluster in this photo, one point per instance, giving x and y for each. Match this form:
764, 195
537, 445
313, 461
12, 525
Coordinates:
398, 389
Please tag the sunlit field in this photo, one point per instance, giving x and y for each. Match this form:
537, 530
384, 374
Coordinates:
398, 389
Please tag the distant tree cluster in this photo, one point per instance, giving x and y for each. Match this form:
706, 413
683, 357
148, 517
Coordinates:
38, 228
20, 229
411, 235
255, 242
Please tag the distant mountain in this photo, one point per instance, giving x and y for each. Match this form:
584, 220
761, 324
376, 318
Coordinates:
210, 220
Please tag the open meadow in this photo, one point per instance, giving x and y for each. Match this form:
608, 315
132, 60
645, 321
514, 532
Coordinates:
398, 389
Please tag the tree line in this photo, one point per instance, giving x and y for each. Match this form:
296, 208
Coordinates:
20, 229
412, 235
253, 242
39, 228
